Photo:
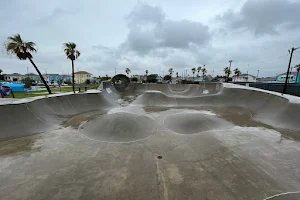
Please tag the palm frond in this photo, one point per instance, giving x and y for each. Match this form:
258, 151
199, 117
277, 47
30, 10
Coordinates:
70, 50
16, 38
15, 45
30, 46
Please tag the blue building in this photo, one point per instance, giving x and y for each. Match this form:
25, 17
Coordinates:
52, 79
293, 77
67, 78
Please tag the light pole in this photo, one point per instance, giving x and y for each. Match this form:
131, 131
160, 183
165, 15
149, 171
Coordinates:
288, 69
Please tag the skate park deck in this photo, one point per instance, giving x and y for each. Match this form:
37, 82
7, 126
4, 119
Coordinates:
152, 141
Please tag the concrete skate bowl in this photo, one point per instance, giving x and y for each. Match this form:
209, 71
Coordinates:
265, 107
194, 122
119, 127
285, 196
170, 142
183, 90
120, 82
32, 116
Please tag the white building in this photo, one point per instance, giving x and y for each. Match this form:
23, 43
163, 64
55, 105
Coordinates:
244, 78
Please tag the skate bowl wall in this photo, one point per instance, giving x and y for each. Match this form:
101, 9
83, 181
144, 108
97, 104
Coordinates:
49, 113
46, 114
265, 107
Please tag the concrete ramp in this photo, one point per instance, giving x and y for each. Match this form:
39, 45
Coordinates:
151, 141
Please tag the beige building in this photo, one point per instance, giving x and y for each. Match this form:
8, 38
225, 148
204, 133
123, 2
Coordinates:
81, 76
13, 77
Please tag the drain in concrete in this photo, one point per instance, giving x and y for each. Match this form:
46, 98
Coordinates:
159, 157
119, 127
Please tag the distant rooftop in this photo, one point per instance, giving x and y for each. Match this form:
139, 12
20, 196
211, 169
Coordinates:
31, 74
51, 75
245, 75
14, 74
292, 73
82, 72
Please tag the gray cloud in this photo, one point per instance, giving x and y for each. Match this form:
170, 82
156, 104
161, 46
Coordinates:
155, 35
263, 17
150, 30
179, 34
143, 14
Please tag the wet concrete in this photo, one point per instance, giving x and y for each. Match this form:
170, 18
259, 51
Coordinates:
232, 163
233, 156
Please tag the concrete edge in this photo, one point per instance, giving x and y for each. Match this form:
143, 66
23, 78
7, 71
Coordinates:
12, 101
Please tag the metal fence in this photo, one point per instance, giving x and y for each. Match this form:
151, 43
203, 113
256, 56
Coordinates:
292, 88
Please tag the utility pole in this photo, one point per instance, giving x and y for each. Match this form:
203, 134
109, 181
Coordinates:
115, 71
257, 74
288, 69
230, 61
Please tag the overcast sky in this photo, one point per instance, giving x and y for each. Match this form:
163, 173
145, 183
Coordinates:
154, 35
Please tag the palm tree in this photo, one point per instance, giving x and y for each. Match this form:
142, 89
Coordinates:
23, 49
199, 69
1, 71
193, 70
171, 71
227, 72
72, 53
237, 72
146, 74
297, 68
127, 70
204, 71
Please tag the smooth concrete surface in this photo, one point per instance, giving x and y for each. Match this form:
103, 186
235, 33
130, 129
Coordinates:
207, 141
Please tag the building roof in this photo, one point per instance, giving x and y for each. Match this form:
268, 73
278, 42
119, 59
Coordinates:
31, 74
52, 74
14, 74
82, 72
292, 73
245, 75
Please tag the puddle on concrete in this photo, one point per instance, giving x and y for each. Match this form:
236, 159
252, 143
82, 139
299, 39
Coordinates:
19, 145
236, 115
76, 120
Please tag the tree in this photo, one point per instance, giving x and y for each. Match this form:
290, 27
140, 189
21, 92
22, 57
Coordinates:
167, 77
1, 71
23, 49
237, 72
204, 71
72, 53
298, 70
177, 74
193, 70
134, 79
28, 82
127, 70
15, 79
105, 78
52, 82
227, 72
152, 78
199, 69
171, 71
146, 74
87, 81
61, 80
